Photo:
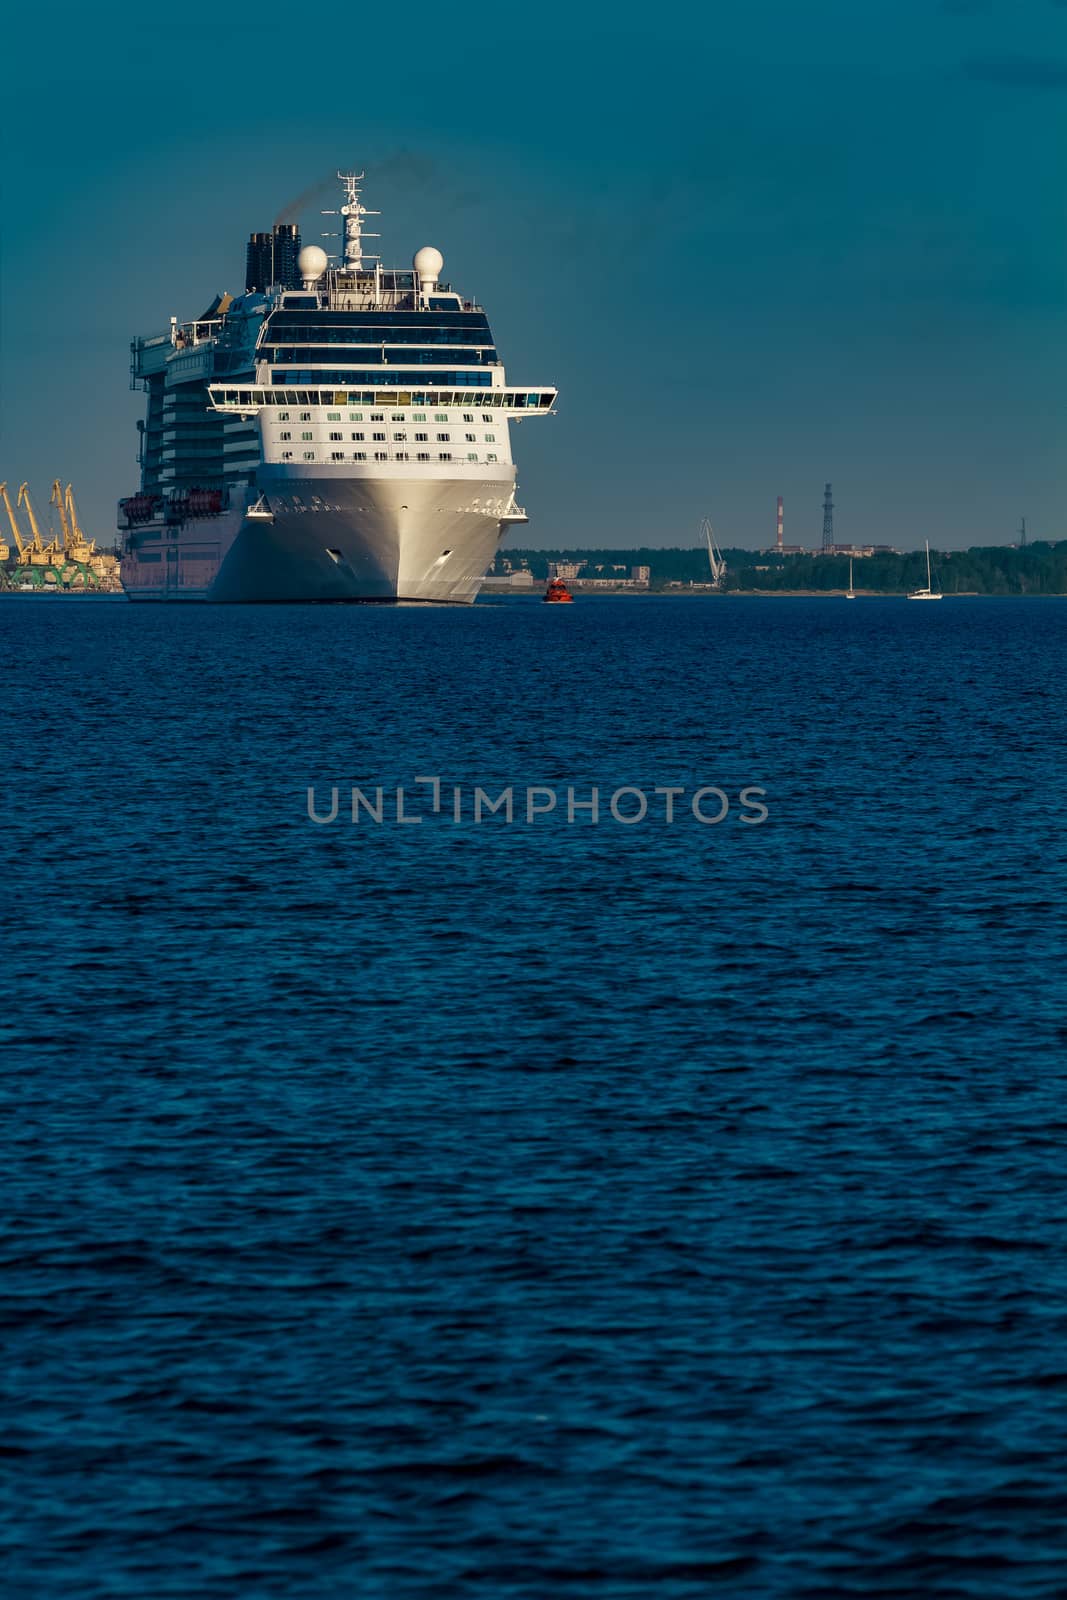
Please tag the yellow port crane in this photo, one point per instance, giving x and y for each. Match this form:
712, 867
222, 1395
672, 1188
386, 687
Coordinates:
22, 548
56, 499
5, 550
40, 554
75, 544
83, 548
103, 565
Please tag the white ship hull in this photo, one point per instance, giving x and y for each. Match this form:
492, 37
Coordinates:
373, 537
382, 536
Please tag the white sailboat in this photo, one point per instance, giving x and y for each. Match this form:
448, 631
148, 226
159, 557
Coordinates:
929, 593
850, 593
715, 556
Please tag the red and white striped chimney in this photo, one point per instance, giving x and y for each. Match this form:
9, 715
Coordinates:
781, 522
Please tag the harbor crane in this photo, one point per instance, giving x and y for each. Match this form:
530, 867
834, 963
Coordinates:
5, 550
37, 552
103, 566
73, 565
56, 499
86, 548
41, 554
77, 546
715, 556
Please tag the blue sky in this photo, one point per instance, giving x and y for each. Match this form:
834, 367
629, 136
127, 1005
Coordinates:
756, 247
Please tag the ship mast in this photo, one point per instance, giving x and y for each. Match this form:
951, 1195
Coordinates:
353, 212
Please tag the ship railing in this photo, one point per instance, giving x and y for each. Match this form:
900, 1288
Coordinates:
193, 333
152, 354
140, 349
139, 343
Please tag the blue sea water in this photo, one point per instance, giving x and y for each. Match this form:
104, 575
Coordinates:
534, 1209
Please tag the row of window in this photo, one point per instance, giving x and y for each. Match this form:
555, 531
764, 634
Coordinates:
251, 398
305, 354
424, 327
379, 416
398, 438
384, 455
402, 380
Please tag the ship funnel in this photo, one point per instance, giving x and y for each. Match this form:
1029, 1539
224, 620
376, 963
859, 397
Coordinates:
428, 264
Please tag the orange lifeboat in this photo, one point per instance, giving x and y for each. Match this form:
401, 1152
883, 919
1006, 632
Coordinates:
557, 594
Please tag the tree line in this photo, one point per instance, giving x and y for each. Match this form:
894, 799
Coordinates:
1034, 569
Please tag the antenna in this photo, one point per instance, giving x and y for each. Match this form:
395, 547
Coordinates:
828, 521
353, 212
1022, 534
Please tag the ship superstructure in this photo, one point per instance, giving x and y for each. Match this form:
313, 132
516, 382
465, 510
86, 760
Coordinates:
345, 439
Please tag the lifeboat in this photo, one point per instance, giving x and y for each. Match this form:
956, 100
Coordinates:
557, 594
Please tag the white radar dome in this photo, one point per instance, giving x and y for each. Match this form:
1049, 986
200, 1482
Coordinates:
428, 263
311, 263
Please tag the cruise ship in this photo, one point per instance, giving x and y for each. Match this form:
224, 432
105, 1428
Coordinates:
342, 433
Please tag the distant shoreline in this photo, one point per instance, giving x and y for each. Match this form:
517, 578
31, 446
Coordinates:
750, 594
